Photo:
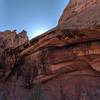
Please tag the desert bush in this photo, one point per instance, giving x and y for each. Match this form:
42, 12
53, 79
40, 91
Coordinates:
5, 97
37, 92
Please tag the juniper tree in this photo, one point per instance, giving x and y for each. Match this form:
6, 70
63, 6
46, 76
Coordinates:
37, 92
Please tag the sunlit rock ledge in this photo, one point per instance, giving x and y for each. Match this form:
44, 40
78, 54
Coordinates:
61, 50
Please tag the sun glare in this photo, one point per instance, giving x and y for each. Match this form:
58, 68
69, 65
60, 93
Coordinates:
38, 32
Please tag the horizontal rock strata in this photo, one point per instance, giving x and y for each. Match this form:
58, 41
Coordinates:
61, 64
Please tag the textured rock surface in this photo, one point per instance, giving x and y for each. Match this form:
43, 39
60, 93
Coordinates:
8, 41
68, 66
81, 13
12, 39
61, 64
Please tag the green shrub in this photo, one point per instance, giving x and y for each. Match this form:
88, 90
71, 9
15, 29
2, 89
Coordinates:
5, 97
1, 66
37, 92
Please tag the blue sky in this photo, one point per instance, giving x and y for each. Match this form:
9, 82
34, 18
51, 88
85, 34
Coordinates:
35, 16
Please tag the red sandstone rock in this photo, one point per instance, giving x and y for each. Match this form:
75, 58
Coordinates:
80, 14
61, 64
8, 41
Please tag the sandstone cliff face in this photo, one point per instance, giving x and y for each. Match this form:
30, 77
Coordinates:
81, 14
8, 41
61, 64
12, 39
66, 66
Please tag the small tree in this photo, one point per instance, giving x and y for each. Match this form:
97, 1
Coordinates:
63, 97
44, 61
37, 92
1, 66
5, 97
